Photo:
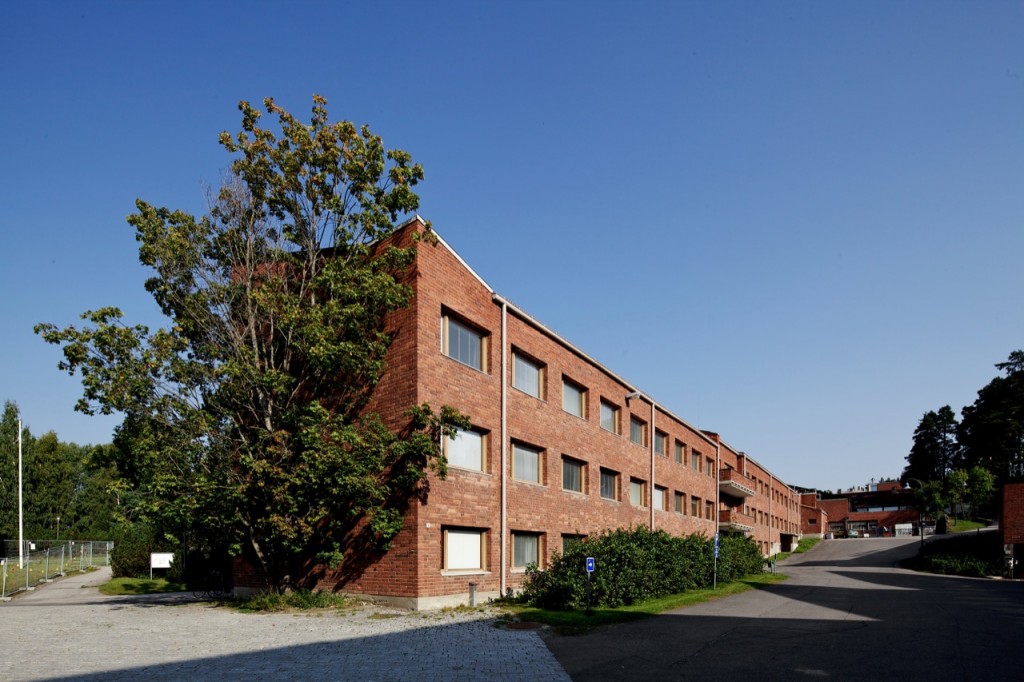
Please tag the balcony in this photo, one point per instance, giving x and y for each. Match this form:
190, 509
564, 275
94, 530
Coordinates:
734, 484
735, 520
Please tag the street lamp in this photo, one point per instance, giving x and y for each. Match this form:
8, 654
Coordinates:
58, 530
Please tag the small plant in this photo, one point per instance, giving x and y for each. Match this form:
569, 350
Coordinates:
301, 599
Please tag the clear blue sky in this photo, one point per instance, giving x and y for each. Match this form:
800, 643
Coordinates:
799, 224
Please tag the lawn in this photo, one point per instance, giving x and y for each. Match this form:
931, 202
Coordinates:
574, 622
131, 586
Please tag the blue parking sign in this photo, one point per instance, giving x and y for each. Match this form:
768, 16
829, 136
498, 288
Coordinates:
590, 564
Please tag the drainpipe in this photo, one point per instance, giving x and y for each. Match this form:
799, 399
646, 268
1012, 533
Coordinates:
650, 493
652, 436
503, 524
771, 521
718, 502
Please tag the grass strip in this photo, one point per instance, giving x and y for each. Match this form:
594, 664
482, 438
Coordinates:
577, 622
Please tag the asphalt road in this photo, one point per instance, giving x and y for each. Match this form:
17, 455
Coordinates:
846, 613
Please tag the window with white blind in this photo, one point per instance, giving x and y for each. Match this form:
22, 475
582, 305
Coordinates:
464, 550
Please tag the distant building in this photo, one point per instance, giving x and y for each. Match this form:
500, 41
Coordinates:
863, 512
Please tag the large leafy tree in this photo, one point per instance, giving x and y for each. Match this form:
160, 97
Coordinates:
992, 429
246, 417
935, 452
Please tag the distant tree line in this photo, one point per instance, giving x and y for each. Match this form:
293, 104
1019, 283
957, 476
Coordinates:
955, 462
65, 481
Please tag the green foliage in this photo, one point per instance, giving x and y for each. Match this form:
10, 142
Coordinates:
245, 417
299, 599
130, 557
636, 565
976, 555
935, 451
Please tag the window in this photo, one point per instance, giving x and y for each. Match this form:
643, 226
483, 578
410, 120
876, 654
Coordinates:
709, 509
573, 474
574, 399
525, 549
680, 503
569, 540
660, 442
695, 460
636, 492
709, 466
609, 417
812, 522
694, 506
659, 498
526, 463
609, 484
680, 453
637, 431
463, 343
466, 450
527, 375
464, 550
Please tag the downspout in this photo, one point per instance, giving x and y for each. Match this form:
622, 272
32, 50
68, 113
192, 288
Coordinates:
771, 521
653, 433
503, 523
718, 502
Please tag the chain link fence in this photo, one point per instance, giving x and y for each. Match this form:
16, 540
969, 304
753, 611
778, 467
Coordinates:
18, 574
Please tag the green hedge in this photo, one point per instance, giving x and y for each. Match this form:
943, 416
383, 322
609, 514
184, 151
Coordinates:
638, 564
970, 554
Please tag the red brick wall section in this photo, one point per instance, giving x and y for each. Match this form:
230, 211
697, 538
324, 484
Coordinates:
1012, 521
419, 372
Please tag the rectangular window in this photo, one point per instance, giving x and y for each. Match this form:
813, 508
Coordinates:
569, 540
637, 431
574, 399
660, 496
525, 463
466, 450
464, 550
812, 522
461, 342
609, 484
573, 474
609, 417
709, 466
525, 549
680, 503
695, 460
680, 453
660, 442
527, 375
694, 506
636, 492
709, 510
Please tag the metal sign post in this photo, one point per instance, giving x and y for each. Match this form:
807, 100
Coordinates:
714, 581
590, 571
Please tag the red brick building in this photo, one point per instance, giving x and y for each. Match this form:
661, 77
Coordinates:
561, 447
858, 513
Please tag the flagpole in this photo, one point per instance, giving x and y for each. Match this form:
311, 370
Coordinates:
21, 536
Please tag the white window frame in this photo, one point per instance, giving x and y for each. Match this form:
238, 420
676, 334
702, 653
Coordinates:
455, 447
574, 398
615, 478
516, 473
613, 413
527, 375
454, 352
582, 469
461, 545
520, 539
637, 488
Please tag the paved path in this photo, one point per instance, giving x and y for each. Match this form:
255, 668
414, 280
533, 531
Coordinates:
845, 613
67, 630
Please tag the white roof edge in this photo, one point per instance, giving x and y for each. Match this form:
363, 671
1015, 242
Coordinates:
533, 322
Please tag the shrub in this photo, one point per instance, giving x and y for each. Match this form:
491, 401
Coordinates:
635, 565
132, 547
969, 555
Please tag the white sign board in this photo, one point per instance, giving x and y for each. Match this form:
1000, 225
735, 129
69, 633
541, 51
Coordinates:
904, 529
159, 560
